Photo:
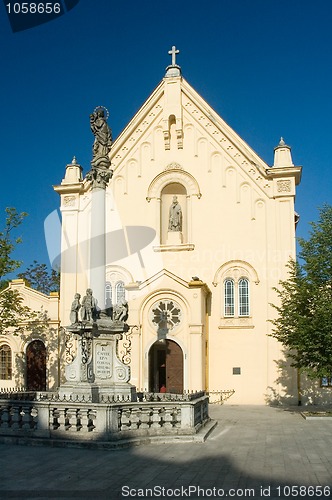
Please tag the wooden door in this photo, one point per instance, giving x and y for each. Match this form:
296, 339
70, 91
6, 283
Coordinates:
166, 367
174, 367
36, 366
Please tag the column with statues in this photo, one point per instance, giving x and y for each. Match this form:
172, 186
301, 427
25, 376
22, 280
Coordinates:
94, 370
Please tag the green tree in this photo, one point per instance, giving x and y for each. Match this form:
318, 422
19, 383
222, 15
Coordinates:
37, 276
8, 243
304, 322
13, 314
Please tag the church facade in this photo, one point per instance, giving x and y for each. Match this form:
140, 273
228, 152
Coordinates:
199, 230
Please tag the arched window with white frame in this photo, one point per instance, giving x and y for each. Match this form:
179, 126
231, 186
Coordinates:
115, 291
120, 292
237, 294
5, 362
243, 293
229, 297
108, 295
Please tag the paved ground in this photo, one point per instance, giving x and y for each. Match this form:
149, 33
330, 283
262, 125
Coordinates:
254, 452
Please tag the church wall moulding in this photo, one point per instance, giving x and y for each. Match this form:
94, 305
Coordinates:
173, 175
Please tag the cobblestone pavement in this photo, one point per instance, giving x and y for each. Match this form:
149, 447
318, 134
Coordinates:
254, 452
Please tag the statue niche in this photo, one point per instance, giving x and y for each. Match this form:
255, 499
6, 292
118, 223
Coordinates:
174, 214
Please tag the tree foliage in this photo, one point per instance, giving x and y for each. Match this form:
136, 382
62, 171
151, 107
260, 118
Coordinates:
37, 276
8, 243
304, 322
14, 315
18, 318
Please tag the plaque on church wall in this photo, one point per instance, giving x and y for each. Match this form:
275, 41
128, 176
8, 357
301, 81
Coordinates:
103, 360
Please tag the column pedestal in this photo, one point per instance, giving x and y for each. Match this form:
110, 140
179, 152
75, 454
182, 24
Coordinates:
97, 374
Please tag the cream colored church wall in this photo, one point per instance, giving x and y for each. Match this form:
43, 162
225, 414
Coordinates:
234, 212
228, 222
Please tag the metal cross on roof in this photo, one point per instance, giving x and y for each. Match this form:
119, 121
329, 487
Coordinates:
173, 53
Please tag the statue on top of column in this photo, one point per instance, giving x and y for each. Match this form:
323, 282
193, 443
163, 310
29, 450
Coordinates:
103, 139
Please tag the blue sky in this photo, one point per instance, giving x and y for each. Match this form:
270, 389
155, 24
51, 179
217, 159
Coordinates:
263, 65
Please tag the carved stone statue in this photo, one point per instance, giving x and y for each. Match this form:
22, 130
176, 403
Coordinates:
75, 307
175, 216
89, 307
103, 139
120, 312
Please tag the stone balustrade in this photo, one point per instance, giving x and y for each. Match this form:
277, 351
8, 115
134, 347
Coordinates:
46, 416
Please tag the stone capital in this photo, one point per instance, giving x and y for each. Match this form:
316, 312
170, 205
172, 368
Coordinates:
99, 177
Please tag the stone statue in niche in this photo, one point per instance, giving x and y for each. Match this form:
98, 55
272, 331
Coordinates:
120, 312
103, 139
89, 307
74, 310
175, 216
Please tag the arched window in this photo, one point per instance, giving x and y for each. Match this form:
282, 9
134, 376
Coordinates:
5, 362
108, 294
236, 297
243, 297
120, 292
229, 297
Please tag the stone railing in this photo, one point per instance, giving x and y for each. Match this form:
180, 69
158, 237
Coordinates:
109, 399
46, 416
218, 397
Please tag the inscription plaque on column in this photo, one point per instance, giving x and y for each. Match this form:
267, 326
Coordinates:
103, 360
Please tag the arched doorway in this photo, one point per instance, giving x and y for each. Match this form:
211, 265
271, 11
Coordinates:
166, 367
36, 366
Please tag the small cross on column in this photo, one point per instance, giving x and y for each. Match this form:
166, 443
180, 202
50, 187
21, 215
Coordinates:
173, 53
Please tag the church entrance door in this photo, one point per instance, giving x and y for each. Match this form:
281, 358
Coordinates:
36, 366
166, 367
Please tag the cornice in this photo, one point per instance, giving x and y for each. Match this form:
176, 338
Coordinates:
277, 172
78, 187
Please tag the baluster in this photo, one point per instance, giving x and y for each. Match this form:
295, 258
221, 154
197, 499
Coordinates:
25, 417
15, 417
168, 419
92, 415
71, 420
83, 420
34, 418
146, 418
156, 418
135, 419
62, 419
54, 419
5, 417
176, 417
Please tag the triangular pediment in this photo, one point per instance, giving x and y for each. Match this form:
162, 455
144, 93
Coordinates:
32, 298
160, 276
198, 128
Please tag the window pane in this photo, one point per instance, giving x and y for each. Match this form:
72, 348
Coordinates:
120, 292
229, 298
243, 297
5, 363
